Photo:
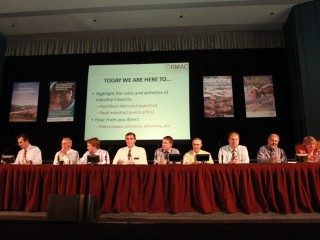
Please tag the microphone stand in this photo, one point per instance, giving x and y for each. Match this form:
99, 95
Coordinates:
59, 161
155, 160
221, 152
106, 157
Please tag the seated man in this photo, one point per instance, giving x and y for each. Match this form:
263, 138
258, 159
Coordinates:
271, 153
131, 154
233, 153
66, 155
28, 154
190, 157
161, 155
93, 146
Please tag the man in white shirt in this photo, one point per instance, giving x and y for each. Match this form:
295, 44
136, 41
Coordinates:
190, 157
233, 153
93, 146
131, 154
66, 155
28, 154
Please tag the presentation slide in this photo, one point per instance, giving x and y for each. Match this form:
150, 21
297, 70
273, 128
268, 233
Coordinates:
151, 100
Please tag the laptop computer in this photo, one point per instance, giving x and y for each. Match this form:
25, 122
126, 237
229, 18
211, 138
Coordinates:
175, 157
7, 159
301, 158
202, 157
93, 159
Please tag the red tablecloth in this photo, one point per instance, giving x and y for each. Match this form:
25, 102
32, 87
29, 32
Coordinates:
282, 188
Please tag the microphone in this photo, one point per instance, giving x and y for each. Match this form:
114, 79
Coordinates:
221, 152
106, 157
5, 151
9, 148
60, 161
155, 155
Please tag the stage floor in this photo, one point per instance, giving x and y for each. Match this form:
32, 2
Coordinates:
185, 217
184, 226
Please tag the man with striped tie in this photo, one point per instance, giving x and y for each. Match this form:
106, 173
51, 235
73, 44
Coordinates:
28, 154
233, 153
131, 154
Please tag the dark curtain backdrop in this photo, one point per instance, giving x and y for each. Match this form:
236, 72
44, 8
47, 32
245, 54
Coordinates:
294, 72
3, 45
302, 37
253, 132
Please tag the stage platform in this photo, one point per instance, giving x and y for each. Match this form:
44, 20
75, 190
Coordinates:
184, 217
164, 226
283, 202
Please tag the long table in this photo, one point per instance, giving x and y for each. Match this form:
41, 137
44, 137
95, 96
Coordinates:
249, 188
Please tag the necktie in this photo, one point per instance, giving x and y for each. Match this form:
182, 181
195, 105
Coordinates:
234, 155
129, 154
166, 155
25, 156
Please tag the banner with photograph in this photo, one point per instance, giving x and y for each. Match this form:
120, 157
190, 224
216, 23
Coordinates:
24, 102
62, 102
259, 98
218, 96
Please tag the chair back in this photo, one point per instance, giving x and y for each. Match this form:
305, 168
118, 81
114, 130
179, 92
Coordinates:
300, 145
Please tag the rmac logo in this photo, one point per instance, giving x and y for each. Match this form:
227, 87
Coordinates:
177, 66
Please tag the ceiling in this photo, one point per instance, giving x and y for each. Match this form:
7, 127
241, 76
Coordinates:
38, 17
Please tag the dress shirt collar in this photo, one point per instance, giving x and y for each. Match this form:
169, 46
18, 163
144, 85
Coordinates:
96, 153
170, 151
29, 148
230, 149
70, 150
270, 148
194, 153
127, 148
